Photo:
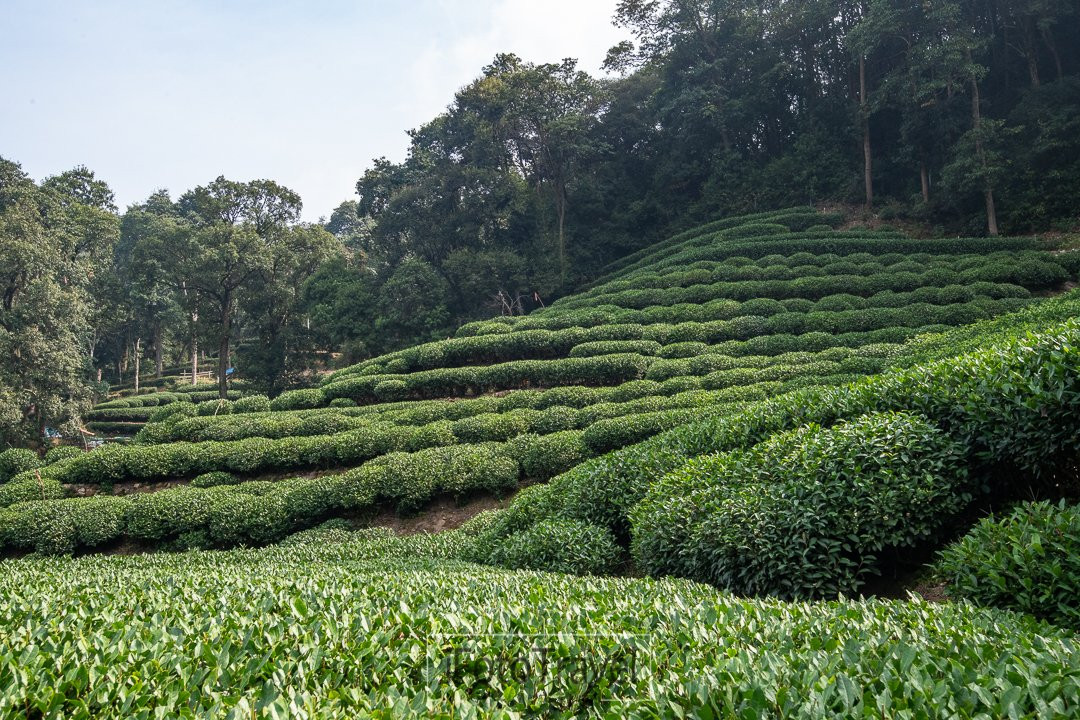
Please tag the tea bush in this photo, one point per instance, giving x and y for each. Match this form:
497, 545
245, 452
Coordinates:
16, 460
805, 513
567, 546
1026, 560
439, 638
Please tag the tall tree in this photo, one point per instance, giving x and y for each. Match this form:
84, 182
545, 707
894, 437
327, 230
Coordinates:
235, 230
52, 245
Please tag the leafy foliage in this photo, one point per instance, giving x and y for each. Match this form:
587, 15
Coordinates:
1026, 560
805, 513
446, 639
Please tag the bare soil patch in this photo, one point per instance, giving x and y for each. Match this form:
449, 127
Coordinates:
441, 514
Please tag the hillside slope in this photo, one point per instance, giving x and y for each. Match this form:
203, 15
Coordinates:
765, 405
738, 311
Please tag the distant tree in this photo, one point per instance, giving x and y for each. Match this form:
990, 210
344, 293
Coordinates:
234, 235
52, 246
144, 262
412, 304
338, 305
281, 344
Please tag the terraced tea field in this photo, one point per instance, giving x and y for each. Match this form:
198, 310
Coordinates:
765, 406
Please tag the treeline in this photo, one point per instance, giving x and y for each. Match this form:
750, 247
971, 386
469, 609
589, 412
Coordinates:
90, 295
959, 114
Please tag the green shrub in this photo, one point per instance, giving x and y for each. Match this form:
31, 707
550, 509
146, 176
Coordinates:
1027, 560
59, 527
390, 390
167, 514
466, 381
545, 456
214, 407
412, 479
16, 460
299, 399
213, 479
241, 519
566, 546
605, 435
493, 427
173, 411
611, 347
436, 434
28, 486
62, 452
806, 513
342, 403
252, 404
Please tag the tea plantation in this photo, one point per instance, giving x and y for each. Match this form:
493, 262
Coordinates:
711, 451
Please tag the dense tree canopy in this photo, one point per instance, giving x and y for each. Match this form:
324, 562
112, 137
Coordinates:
959, 114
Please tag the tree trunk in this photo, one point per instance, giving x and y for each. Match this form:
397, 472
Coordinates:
1031, 54
138, 344
1048, 38
976, 123
195, 347
864, 112
924, 177
223, 345
158, 359
991, 213
560, 208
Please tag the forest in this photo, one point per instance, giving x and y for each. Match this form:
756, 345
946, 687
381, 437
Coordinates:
956, 117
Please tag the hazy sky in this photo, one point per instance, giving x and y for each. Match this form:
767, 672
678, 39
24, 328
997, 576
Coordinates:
156, 93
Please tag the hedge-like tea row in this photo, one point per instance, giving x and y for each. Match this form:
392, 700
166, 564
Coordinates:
119, 414
137, 401
937, 294
122, 463
465, 381
1028, 560
805, 513
775, 320
546, 411
1025, 267
814, 247
497, 419
808, 288
1035, 273
1016, 402
724, 309
151, 400
788, 267
652, 324
342, 625
795, 219
120, 427
847, 243
151, 463
254, 513
143, 407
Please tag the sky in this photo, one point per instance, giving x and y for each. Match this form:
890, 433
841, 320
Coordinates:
170, 94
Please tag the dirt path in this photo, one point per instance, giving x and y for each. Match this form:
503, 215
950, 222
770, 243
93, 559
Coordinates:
439, 515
